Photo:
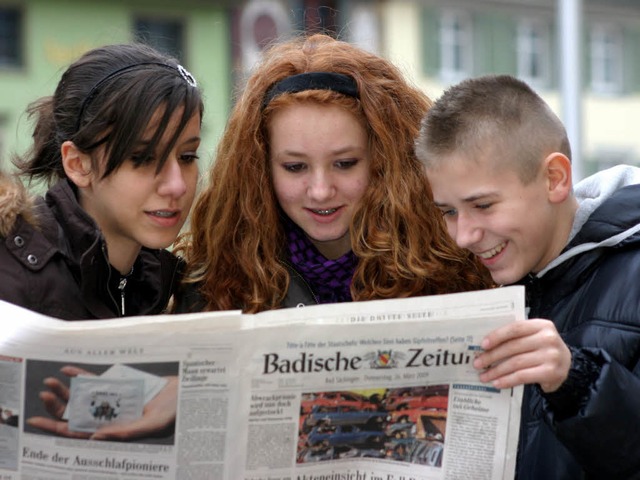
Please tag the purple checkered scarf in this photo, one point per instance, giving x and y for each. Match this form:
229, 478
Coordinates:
329, 279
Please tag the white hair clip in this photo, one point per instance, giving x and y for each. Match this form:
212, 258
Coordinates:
190, 79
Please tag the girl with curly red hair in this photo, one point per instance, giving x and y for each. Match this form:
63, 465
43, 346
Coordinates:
316, 195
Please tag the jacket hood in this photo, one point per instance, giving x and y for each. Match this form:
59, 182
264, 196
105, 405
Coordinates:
608, 213
14, 201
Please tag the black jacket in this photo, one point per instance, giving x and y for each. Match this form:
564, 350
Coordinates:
299, 294
590, 428
53, 260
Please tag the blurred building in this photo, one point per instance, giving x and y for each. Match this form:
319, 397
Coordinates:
39, 38
440, 42
256, 23
436, 43
217, 40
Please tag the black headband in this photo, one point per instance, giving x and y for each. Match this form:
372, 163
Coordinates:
336, 82
94, 90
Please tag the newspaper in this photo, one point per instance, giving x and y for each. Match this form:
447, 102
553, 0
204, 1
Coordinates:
379, 390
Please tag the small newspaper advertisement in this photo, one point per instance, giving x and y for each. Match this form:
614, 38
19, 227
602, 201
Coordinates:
378, 390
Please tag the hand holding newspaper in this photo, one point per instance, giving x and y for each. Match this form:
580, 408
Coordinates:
366, 390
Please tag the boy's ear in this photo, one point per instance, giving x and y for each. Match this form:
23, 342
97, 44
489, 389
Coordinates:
77, 165
558, 174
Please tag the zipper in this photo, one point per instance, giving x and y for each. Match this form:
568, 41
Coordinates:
121, 287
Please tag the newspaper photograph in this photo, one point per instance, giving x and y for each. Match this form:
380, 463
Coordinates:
368, 390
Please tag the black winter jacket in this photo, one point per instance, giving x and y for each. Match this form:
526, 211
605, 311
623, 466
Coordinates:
299, 294
590, 428
53, 260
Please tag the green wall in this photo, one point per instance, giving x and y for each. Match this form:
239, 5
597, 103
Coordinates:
58, 31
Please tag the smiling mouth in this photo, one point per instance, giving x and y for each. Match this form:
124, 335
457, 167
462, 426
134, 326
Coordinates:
493, 252
326, 212
163, 213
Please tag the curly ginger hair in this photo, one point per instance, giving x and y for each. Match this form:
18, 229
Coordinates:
237, 240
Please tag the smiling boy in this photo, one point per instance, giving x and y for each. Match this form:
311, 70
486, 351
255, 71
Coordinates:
498, 160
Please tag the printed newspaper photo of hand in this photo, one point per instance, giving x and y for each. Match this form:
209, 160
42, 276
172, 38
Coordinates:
105, 402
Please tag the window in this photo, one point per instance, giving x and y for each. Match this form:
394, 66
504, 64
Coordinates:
606, 59
166, 35
455, 46
534, 52
10, 37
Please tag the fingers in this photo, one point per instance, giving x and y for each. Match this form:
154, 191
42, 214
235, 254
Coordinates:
73, 371
545, 369
56, 398
158, 414
524, 352
513, 330
57, 388
52, 404
55, 426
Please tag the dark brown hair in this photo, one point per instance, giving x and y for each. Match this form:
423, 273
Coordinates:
107, 97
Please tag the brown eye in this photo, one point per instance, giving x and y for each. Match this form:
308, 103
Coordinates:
188, 158
293, 167
140, 159
346, 164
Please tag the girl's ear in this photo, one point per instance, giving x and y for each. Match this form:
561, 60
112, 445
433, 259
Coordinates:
558, 171
77, 165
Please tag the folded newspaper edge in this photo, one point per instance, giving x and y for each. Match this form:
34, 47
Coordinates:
383, 389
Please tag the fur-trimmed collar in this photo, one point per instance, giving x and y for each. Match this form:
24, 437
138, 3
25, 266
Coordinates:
14, 201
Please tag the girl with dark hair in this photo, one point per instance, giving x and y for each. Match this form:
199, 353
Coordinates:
316, 195
117, 144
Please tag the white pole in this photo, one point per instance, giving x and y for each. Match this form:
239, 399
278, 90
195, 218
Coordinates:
570, 23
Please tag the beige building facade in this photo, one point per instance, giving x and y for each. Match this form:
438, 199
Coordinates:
440, 42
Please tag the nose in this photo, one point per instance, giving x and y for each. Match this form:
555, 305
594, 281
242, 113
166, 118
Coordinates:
320, 187
172, 181
466, 232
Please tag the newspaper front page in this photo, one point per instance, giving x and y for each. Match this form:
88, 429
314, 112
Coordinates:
363, 390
